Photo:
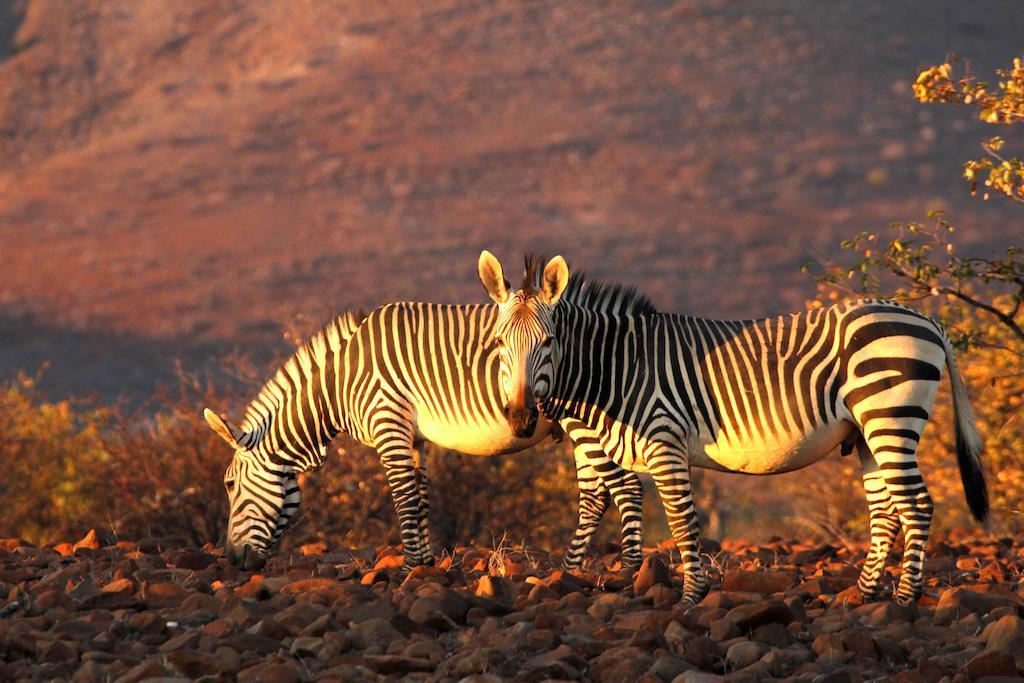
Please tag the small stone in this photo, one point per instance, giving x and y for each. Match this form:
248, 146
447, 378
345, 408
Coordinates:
956, 603
759, 581
653, 572
753, 615
619, 664
667, 667
990, 663
269, 673
723, 629
90, 542
157, 595
182, 641
1006, 635
497, 588
195, 561
375, 633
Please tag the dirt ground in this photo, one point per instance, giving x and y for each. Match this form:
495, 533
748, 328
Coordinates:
178, 180
788, 611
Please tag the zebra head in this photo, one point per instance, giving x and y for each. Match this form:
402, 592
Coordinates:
263, 496
525, 335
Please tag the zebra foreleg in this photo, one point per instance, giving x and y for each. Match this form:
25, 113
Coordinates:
397, 457
602, 480
671, 472
628, 495
594, 501
423, 486
885, 524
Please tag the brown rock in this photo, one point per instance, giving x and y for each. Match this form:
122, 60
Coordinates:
182, 641
824, 585
722, 629
57, 652
703, 653
759, 581
653, 620
744, 653
200, 601
195, 561
294, 619
562, 663
269, 673
254, 589
620, 664
497, 588
753, 615
191, 664
157, 595
54, 597
990, 663
772, 634
375, 633
1005, 635
112, 601
859, 643
390, 562
653, 572
251, 642
314, 585
151, 668
956, 603
398, 665
90, 542
147, 623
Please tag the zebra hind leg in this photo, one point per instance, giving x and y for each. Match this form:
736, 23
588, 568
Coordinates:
885, 524
671, 472
594, 500
911, 500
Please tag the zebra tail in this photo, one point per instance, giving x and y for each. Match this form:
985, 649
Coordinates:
969, 444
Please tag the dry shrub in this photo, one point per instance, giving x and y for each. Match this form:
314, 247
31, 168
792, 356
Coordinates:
48, 453
529, 495
157, 472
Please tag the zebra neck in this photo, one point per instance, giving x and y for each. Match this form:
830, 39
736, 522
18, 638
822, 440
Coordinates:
298, 412
598, 351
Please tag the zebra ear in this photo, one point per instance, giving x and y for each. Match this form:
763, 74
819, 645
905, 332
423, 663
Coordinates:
493, 277
556, 277
222, 428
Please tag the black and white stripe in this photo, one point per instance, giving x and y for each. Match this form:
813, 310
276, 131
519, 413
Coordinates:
661, 393
405, 373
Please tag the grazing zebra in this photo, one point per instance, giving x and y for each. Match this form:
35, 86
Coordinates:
663, 392
406, 373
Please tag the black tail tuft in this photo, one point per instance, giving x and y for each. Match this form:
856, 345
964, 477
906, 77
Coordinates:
973, 478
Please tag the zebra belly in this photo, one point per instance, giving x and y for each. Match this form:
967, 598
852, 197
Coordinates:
492, 437
772, 457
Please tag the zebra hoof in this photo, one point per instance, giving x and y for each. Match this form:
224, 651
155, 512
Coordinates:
906, 600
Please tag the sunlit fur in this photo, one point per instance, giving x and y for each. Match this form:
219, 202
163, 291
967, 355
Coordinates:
662, 392
405, 373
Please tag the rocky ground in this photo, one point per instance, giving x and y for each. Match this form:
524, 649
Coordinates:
153, 609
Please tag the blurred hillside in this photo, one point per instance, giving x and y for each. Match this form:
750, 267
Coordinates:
180, 179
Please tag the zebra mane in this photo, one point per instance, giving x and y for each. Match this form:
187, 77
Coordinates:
533, 266
309, 357
606, 297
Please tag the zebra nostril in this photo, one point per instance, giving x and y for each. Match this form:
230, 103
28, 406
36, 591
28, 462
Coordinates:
506, 410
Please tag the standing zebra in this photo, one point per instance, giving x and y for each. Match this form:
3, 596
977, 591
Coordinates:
406, 373
663, 392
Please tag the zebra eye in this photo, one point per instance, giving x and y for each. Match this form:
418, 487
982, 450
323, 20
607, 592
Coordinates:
229, 484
